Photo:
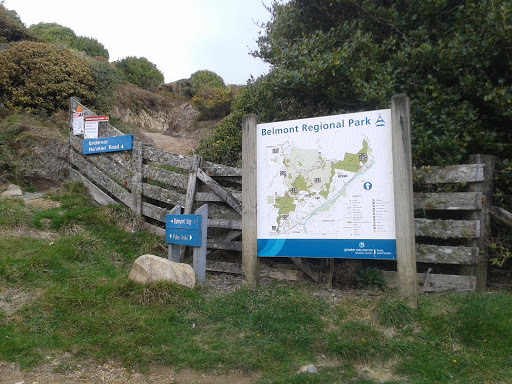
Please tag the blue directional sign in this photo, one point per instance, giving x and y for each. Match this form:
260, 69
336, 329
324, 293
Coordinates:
183, 229
107, 144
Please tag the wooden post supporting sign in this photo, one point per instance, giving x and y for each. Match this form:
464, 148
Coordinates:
404, 205
250, 261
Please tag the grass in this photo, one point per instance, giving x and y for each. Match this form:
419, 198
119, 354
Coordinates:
86, 308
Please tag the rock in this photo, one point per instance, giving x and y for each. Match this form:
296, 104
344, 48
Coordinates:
150, 268
12, 191
311, 369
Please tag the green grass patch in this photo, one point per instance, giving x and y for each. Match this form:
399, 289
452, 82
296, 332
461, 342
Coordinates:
85, 306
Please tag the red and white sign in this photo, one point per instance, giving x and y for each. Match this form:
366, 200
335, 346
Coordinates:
91, 126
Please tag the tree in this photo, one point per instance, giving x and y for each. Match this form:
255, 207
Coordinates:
11, 27
141, 72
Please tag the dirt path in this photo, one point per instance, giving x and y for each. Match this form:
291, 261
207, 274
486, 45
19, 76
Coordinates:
58, 372
178, 145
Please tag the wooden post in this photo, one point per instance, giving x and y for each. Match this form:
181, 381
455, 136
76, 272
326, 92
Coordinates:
173, 250
192, 185
137, 178
404, 206
250, 261
488, 162
199, 253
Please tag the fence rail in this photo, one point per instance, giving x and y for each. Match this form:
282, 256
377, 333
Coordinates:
451, 227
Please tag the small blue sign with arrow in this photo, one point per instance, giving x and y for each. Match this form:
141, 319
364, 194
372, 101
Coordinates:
183, 229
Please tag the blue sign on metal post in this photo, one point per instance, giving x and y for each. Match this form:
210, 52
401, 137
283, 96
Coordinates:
183, 229
107, 144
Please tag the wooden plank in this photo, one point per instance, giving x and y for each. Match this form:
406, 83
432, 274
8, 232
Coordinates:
274, 273
154, 212
154, 229
403, 191
435, 282
502, 215
137, 184
225, 245
101, 179
486, 189
306, 267
212, 197
445, 229
173, 250
199, 253
165, 176
115, 172
250, 260
227, 224
464, 173
213, 170
160, 156
97, 194
192, 185
436, 254
164, 195
219, 191
460, 201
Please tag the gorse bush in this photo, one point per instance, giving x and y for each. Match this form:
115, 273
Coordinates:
213, 103
205, 78
107, 80
141, 72
35, 76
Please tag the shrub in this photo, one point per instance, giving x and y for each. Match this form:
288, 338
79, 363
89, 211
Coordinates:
90, 46
35, 76
57, 34
213, 103
107, 80
141, 72
205, 78
11, 27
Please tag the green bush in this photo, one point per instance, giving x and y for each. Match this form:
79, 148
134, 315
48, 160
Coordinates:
141, 72
11, 27
59, 35
40, 76
205, 78
213, 103
107, 80
90, 46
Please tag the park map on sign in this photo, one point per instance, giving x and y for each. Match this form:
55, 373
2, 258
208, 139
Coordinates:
326, 178
313, 183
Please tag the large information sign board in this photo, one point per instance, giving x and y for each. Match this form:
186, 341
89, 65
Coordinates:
325, 187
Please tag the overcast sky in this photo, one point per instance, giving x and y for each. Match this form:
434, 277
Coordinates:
179, 36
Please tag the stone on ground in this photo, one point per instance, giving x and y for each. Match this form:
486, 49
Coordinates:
150, 268
12, 191
311, 369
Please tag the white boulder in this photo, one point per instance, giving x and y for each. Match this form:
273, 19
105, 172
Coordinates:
150, 268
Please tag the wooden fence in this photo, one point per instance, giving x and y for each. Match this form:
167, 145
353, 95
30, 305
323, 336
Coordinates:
452, 206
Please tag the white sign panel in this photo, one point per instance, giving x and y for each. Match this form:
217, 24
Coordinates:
325, 187
91, 126
78, 123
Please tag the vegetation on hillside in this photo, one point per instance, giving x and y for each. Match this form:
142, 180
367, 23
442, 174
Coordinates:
59, 35
11, 27
39, 76
140, 72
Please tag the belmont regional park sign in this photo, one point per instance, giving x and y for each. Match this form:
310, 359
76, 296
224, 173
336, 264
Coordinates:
325, 187
107, 144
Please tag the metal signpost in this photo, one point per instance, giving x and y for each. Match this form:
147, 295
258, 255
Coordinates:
190, 230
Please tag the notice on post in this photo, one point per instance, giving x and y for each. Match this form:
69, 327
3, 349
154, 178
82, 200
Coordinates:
78, 123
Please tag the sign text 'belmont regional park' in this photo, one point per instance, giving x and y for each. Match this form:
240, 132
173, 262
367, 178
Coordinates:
325, 187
